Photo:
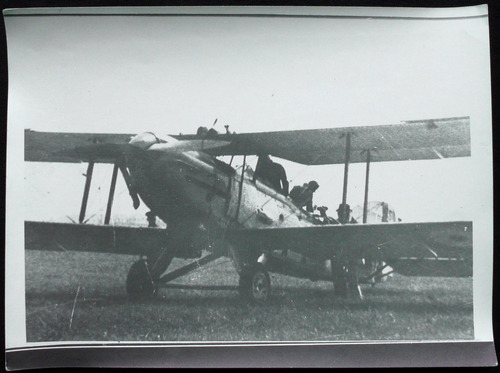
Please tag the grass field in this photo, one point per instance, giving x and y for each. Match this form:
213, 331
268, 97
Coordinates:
81, 297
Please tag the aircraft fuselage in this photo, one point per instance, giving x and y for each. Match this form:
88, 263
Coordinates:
200, 197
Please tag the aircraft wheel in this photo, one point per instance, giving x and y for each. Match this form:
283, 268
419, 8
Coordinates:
255, 284
140, 284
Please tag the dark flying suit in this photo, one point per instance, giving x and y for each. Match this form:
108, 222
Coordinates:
272, 174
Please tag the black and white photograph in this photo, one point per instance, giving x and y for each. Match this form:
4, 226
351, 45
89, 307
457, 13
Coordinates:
266, 176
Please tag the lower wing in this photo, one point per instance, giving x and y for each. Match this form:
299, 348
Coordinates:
415, 249
418, 249
93, 238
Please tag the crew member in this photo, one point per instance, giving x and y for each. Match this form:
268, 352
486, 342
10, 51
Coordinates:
150, 215
326, 219
303, 195
272, 174
203, 132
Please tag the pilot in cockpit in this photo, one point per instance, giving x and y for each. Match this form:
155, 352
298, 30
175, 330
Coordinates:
303, 195
272, 174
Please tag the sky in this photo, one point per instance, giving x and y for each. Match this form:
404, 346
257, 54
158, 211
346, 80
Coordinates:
130, 74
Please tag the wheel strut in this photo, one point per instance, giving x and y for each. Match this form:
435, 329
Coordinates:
188, 268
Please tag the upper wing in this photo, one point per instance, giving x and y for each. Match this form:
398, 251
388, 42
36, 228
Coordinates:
435, 249
98, 147
59, 146
94, 238
427, 139
412, 140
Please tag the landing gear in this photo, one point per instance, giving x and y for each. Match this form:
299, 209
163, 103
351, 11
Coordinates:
345, 280
140, 284
255, 283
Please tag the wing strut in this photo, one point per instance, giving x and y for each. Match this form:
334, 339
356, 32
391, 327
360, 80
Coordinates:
343, 211
241, 187
367, 179
131, 190
88, 180
111, 194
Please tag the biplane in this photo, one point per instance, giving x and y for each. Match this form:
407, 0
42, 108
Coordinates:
211, 207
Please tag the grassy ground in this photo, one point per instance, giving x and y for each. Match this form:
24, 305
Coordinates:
81, 297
